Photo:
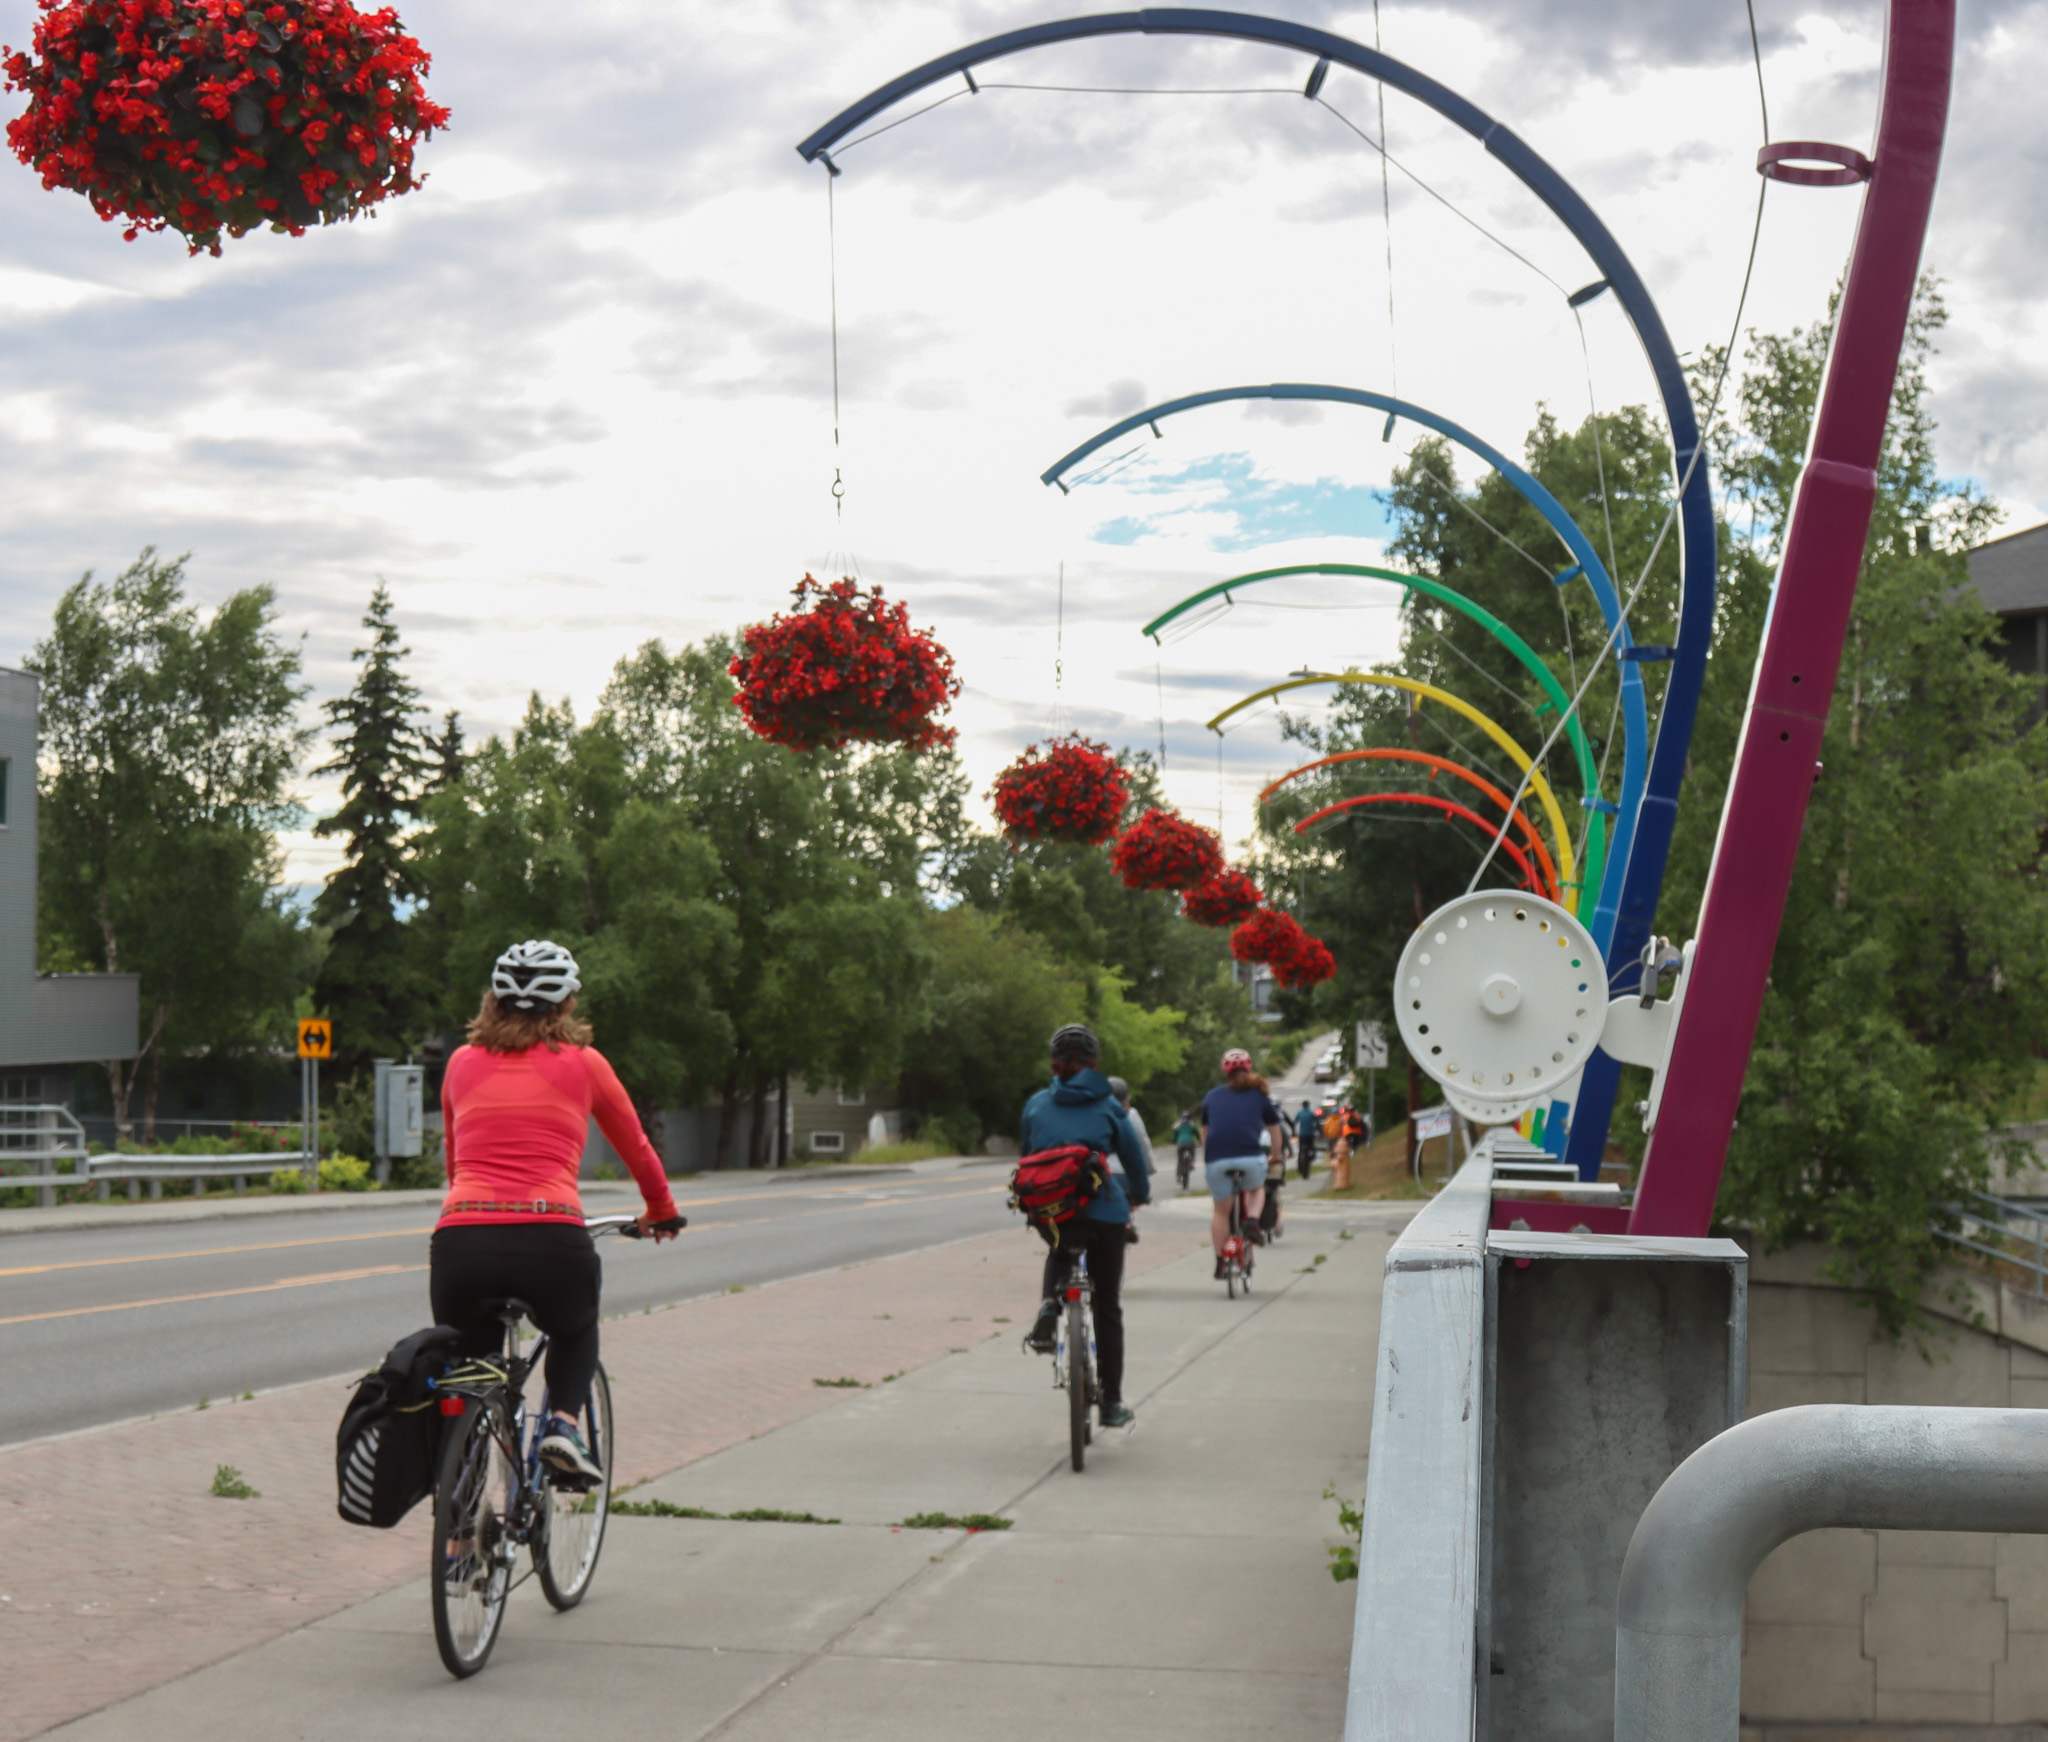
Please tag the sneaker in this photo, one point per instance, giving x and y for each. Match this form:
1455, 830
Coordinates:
1118, 1415
562, 1449
1255, 1234
1039, 1340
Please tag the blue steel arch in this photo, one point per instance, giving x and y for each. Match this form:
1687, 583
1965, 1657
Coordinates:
1659, 809
1635, 715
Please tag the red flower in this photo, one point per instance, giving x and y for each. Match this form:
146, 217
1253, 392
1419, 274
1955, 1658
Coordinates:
210, 117
848, 668
1074, 792
1223, 898
1160, 851
1277, 940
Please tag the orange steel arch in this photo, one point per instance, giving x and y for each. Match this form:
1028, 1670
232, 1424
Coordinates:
1450, 808
1425, 759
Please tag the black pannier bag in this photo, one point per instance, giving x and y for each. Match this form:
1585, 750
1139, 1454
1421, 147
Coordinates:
390, 1431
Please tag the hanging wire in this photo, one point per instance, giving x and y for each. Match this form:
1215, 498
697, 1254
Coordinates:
1600, 779
1386, 215
832, 271
1599, 442
1456, 495
1664, 528
1159, 689
1513, 695
1443, 200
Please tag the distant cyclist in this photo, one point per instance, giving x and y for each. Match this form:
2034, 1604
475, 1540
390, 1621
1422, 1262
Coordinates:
1185, 1136
517, 1102
1307, 1128
1240, 1137
1078, 1108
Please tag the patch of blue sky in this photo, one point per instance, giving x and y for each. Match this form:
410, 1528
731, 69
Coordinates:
1261, 511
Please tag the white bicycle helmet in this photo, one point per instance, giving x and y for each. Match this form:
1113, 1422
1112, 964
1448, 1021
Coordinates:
535, 975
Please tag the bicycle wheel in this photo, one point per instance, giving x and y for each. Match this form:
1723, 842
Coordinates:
470, 1570
571, 1522
1077, 1383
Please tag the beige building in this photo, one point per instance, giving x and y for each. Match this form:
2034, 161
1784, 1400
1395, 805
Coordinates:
1926, 1635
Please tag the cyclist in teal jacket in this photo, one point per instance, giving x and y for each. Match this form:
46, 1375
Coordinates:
1078, 1107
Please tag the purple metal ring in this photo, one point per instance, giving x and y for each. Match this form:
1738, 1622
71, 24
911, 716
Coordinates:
1776, 163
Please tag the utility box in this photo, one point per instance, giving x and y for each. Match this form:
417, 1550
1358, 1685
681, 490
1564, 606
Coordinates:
399, 1097
1609, 1360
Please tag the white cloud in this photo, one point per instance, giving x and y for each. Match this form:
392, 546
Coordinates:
576, 392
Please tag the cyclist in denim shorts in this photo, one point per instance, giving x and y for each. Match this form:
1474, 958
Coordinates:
1240, 1136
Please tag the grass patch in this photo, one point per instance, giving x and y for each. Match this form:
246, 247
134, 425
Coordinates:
1311, 1268
910, 1149
849, 1384
1350, 1520
753, 1514
955, 1521
228, 1484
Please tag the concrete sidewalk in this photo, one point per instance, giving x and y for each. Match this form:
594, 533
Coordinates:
1178, 1588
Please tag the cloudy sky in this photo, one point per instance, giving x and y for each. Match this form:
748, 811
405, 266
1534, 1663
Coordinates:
576, 393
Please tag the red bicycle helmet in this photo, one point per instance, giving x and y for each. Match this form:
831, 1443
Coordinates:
1236, 1059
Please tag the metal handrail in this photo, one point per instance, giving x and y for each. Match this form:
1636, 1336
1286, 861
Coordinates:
1818, 1466
2000, 1223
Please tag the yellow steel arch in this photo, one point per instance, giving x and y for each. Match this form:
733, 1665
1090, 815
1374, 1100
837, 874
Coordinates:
1567, 866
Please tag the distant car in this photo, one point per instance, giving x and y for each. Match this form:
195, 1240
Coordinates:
1325, 1071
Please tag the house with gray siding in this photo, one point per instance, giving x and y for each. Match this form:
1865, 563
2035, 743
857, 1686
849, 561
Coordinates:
50, 1024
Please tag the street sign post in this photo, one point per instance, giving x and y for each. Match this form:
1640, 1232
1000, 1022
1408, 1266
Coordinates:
316, 1042
1372, 1059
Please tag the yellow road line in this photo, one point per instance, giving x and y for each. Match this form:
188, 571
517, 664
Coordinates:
380, 1234
217, 1294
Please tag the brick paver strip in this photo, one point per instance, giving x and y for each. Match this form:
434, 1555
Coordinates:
121, 1571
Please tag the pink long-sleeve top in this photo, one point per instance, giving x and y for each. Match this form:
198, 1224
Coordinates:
515, 1125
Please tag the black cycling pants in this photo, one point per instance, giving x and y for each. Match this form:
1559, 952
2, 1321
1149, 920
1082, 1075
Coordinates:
551, 1266
1104, 1242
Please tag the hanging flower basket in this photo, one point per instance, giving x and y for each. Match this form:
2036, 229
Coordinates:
1224, 898
846, 668
219, 116
1296, 958
1075, 792
1161, 851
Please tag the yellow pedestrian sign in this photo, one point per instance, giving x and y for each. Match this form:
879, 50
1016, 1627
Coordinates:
316, 1038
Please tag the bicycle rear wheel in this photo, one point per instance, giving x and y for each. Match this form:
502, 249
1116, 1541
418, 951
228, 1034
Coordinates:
1077, 1383
470, 1570
571, 1533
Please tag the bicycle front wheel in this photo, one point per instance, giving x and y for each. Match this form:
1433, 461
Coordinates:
565, 1548
471, 1566
1077, 1384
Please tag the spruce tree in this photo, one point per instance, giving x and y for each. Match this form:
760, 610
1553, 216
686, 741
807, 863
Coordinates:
368, 983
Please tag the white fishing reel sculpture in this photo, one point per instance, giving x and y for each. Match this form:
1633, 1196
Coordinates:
1501, 997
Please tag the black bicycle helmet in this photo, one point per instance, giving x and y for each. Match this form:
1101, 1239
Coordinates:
1076, 1041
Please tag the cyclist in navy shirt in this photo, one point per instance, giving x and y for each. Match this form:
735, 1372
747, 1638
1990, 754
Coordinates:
1078, 1107
1240, 1134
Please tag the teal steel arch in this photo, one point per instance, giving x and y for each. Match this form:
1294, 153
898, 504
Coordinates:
1518, 649
1585, 562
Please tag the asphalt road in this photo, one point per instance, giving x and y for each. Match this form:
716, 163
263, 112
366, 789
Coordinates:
103, 1324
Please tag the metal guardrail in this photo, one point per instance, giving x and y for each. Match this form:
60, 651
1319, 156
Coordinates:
1678, 1631
40, 1136
2004, 1231
1414, 1639
104, 1169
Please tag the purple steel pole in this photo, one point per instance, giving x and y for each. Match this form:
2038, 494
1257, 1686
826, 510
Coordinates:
1778, 756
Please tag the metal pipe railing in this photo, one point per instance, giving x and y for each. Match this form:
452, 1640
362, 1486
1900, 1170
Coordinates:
1678, 1627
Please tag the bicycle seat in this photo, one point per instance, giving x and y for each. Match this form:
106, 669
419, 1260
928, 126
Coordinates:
509, 1308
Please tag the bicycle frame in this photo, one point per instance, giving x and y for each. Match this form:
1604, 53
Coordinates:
1078, 1288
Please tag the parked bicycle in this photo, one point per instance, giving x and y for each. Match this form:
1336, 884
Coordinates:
1073, 1359
493, 1496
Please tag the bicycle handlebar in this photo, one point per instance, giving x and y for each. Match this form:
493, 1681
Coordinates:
630, 1227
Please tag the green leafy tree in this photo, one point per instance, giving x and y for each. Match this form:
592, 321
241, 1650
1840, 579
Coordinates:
368, 982
1910, 979
168, 736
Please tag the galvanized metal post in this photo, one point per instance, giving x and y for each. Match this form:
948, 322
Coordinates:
1678, 1629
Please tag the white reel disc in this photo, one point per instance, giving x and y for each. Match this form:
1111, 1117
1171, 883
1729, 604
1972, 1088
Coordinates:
1501, 997
1482, 1111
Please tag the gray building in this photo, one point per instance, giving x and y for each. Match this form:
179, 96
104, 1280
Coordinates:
2011, 577
50, 1024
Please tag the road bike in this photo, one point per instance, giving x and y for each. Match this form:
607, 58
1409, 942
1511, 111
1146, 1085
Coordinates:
493, 1496
1073, 1358
1184, 1163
